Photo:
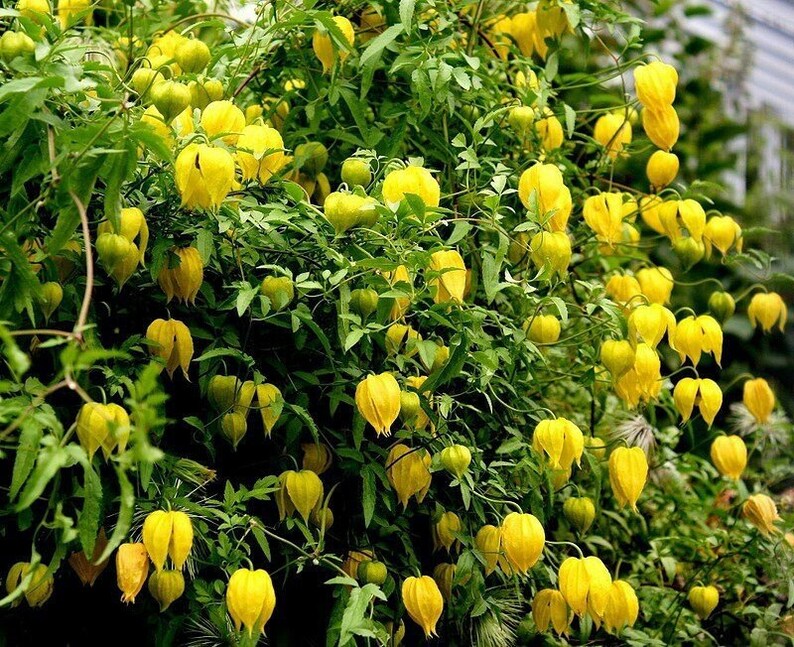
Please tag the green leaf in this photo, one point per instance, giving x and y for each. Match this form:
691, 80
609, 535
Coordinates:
50, 461
368, 498
407, 13
88, 523
245, 296
124, 519
27, 450
375, 48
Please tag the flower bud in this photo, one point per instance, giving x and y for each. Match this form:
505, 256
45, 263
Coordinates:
580, 512
250, 599
729, 455
271, 404
551, 251
488, 542
316, 457
722, 232
655, 84
171, 342
521, 119
166, 587
444, 577
182, 274
408, 473
372, 572
280, 291
618, 356
523, 539
613, 131
144, 79
704, 599
119, 256
414, 180
722, 306
34, 10
15, 43
364, 301
311, 158
132, 225
345, 210
326, 50
761, 511
378, 401
662, 126
322, 517
260, 153
102, 425
661, 169
444, 531
767, 309
423, 602
759, 399
703, 392
170, 98
356, 172
456, 460
222, 392
192, 55
223, 118
628, 471
550, 608
50, 299
656, 284
204, 92
543, 329
543, 184
204, 175
234, 427
132, 567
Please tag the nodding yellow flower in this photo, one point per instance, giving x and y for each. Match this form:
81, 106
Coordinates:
223, 118
33, 10
69, 10
317, 457
677, 215
301, 491
618, 356
132, 225
542, 329
401, 304
767, 309
444, 531
204, 175
703, 600
325, 49
622, 607
523, 539
722, 305
250, 599
521, 119
696, 335
119, 255
613, 131
650, 323
656, 284
488, 542
450, 284
655, 84
722, 232
580, 512
759, 399
662, 126
643, 382
628, 471
132, 567
168, 534
378, 401
551, 251
184, 279
662, 169
171, 342
166, 587
704, 393
761, 511
524, 30
561, 440
553, 198
624, 290
102, 425
729, 455
500, 32
551, 18
423, 602
260, 153
408, 471
604, 214
549, 130
456, 459
401, 338
585, 584
650, 207
39, 588
550, 608
414, 180
444, 576
524, 80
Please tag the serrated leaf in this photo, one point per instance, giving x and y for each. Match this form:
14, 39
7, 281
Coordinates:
407, 13
368, 496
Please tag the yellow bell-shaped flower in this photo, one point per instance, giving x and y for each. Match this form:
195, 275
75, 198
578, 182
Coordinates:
271, 404
729, 455
662, 169
604, 214
527, 35
260, 153
132, 567
649, 324
168, 534
622, 607
550, 608
102, 425
696, 335
132, 225
182, 274
444, 531
166, 587
450, 284
223, 119
704, 393
204, 175
488, 542
655, 84
414, 180
543, 329
317, 457
613, 132
761, 511
561, 440
551, 251
767, 309
549, 130
662, 126
543, 184
250, 599
585, 584
523, 539
301, 491
401, 304
759, 399
444, 576
618, 356
624, 290
408, 472
628, 471
703, 600
39, 588
656, 284
378, 401
423, 602
325, 49
722, 232
171, 342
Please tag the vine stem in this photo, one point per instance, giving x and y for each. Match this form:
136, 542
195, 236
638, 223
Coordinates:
77, 331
